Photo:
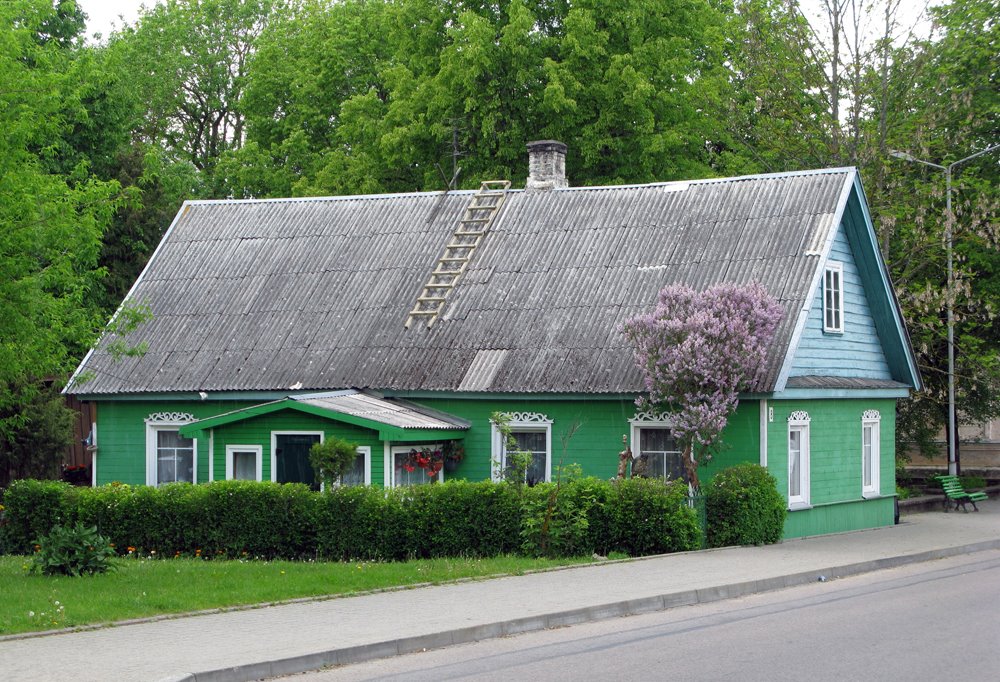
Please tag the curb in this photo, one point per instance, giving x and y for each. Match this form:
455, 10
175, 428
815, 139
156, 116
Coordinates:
631, 607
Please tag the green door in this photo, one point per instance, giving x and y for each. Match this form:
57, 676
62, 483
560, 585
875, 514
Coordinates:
291, 454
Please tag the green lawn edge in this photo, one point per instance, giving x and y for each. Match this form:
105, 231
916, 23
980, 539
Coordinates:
142, 590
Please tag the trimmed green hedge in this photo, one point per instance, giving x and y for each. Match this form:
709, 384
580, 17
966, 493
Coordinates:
267, 520
744, 507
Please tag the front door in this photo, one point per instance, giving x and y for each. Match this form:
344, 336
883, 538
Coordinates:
291, 455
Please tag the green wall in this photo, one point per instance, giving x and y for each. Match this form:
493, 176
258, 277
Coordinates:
835, 464
257, 431
584, 431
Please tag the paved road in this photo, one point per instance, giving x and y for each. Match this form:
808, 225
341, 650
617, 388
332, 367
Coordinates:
934, 620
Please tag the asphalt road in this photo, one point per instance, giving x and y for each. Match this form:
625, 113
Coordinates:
935, 620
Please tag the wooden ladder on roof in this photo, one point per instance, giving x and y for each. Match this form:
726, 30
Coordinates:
475, 223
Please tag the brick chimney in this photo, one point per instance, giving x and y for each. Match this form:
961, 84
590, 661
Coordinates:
546, 165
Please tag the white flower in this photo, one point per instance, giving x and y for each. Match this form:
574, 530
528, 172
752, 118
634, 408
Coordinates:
31, 614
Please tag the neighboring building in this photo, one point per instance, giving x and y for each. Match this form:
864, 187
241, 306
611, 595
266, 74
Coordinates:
277, 323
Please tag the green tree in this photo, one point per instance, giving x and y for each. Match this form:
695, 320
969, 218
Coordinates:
52, 222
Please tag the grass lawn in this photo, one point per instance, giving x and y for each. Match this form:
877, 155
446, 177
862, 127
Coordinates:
140, 588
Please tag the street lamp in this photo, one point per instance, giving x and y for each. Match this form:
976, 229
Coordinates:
949, 301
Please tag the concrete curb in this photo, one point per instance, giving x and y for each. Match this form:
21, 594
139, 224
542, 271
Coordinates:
406, 645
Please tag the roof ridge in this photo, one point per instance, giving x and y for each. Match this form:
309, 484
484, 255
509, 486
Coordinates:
577, 188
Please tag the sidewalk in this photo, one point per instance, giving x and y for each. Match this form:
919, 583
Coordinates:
256, 643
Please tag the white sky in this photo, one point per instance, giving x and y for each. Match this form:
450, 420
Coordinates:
103, 14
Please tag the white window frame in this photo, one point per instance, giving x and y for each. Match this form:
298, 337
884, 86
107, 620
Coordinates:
647, 420
166, 421
871, 420
390, 465
230, 466
274, 446
534, 422
836, 306
365, 450
799, 421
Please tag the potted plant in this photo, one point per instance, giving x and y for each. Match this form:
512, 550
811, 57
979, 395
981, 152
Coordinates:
454, 453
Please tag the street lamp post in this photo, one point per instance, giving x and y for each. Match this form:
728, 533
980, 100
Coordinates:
950, 298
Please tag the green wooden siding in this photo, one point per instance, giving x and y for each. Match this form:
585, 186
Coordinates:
594, 444
835, 463
257, 431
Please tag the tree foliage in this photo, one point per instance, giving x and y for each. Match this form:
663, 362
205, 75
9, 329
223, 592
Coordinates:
697, 351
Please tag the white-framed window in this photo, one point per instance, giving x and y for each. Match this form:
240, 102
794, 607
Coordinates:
653, 437
798, 460
532, 431
169, 457
870, 451
290, 456
400, 476
244, 462
833, 298
361, 472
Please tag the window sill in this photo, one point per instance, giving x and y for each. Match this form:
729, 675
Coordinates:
799, 507
838, 332
871, 496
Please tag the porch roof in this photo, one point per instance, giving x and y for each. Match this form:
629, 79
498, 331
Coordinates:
393, 418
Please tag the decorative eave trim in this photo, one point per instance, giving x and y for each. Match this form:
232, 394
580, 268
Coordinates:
651, 417
526, 417
871, 416
799, 417
170, 418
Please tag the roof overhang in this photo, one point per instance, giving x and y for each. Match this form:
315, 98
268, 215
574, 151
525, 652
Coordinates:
393, 419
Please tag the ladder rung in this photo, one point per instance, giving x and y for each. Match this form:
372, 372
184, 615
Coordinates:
476, 220
470, 234
423, 312
453, 260
460, 246
431, 299
445, 273
441, 285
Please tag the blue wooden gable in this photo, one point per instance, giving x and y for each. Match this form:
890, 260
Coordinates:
874, 346
855, 352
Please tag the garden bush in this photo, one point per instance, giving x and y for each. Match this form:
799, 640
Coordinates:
644, 516
555, 519
72, 550
236, 519
31, 509
744, 507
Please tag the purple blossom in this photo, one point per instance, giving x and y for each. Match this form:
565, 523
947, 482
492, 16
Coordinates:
698, 350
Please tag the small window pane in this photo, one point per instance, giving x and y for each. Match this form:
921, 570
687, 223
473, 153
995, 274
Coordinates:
174, 457
794, 463
533, 442
245, 466
356, 476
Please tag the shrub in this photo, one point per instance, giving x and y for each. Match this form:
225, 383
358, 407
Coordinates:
744, 507
648, 516
72, 550
270, 520
31, 509
555, 521
456, 518
332, 458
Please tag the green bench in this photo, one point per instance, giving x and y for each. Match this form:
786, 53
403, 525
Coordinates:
954, 492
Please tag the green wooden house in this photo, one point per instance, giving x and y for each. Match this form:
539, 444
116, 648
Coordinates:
407, 320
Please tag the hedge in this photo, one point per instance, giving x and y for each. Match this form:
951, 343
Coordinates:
268, 520
744, 507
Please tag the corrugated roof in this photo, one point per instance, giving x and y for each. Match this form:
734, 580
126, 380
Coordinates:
264, 295
812, 381
397, 413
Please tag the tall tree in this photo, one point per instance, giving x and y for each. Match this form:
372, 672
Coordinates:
52, 222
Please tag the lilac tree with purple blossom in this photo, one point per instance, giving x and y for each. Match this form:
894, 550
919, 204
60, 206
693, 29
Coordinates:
697, 351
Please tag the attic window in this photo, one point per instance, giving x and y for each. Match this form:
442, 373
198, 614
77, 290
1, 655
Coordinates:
833, 298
